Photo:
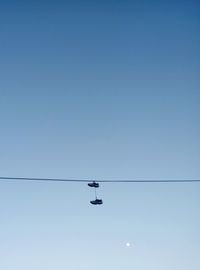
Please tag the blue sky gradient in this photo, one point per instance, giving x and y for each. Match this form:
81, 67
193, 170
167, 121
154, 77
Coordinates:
100, 90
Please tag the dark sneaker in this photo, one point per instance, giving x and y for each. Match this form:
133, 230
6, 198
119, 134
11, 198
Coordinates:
96, 202
93, 184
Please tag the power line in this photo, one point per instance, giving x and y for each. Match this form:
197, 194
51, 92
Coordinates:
100, 181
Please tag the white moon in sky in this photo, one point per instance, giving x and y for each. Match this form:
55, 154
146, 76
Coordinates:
128, 244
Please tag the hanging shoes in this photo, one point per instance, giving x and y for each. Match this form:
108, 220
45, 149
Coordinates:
96, 201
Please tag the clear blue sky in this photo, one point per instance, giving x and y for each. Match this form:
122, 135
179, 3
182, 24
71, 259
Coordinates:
99, 90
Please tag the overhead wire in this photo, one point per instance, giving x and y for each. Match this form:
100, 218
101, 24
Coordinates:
101, 180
